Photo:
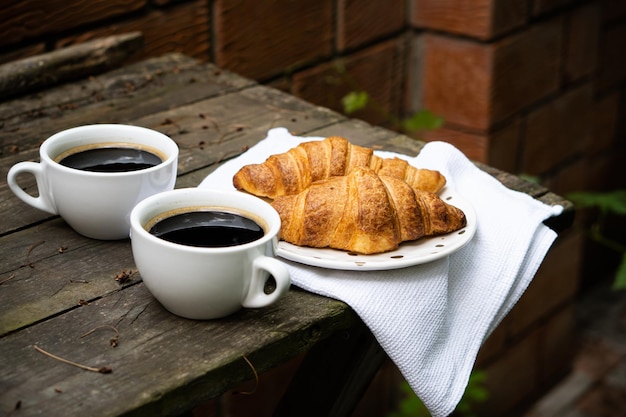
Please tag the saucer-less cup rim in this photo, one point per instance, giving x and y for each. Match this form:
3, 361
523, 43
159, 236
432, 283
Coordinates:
241, 271
205, 198
92, 134
62, 190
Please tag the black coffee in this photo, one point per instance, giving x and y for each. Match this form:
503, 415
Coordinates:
111, 159
207, 229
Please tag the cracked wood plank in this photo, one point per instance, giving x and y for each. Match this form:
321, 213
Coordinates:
77, 61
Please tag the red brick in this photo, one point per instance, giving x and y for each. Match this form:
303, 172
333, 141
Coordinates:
606, 117
512, 378
478, 85
483, 19
570, 177
612, 69
30, 18
375, 70
505, 145
555, 284
413, 92
280, 83
499, 148
360, 22
183, 28
526, 68
605, 171
583, 35
456, 80
557, 130
474, 145
263, 39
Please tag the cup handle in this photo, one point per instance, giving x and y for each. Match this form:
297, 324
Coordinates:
256, 297
42, 202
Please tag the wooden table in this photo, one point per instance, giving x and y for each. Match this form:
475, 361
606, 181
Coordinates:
82, 299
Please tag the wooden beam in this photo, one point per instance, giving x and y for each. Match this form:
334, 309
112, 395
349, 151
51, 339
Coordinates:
77, 61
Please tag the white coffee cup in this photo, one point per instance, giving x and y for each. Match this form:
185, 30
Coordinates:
96, 204
208, 282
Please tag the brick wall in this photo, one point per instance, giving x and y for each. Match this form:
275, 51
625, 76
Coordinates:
529, 86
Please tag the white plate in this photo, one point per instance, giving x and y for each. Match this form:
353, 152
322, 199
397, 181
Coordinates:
408, 254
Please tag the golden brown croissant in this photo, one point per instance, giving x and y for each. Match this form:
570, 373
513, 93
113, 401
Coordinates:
363, 212
293, 171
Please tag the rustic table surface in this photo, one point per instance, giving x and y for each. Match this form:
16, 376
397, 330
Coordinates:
82, 299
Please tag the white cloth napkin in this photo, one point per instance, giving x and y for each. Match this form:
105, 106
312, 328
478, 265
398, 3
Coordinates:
431, 319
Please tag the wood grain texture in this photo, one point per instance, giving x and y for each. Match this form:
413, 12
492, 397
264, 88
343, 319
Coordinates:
184, 358
70, 63
43, 284
125, 96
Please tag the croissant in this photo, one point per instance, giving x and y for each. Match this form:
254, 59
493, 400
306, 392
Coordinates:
364, 213
293, 171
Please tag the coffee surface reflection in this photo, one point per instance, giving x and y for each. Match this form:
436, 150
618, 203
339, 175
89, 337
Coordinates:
207, 229
110, 159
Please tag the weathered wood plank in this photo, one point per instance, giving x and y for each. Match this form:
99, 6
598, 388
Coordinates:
71, 63
243, 120
173, 82
53, 269
52, 101
13, 211
220, 128
185, 358
120, 96
364, 134
207, 132
379, 138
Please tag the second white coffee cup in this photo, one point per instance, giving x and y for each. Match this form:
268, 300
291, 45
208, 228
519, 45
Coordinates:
196, 281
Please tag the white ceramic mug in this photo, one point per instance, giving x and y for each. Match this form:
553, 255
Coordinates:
96, 204
208, 282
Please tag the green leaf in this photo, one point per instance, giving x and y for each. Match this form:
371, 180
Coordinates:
410, 405
619, 283
422, 120
612, 201
354, 101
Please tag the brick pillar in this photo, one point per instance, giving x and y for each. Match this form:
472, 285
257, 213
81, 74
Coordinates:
531, 87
